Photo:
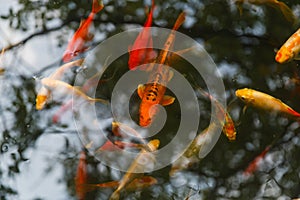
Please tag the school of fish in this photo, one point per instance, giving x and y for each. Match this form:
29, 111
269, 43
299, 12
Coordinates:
152, 94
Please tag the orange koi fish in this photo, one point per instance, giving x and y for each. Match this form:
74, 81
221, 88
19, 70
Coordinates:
290, 49
266, 102
198, 148
43, 93
81, 176
81, 36
153, 93
137, 164
228, 124
136, 184
253, 165
144, 39
66, 88
282, 7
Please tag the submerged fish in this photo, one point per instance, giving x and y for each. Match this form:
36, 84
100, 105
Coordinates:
81, 36
65, 88
137, 165
265, 102
282, 7
153, 93
144, 41
81, 176
290, 49
136, 184
198, 149
43, 93
253, 165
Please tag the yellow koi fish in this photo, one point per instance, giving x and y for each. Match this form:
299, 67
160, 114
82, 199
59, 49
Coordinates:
66, 88
290, 49
266, 102
136, 166
43, 93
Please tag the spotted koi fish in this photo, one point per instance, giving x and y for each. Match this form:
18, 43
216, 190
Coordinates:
290, 49
153, 93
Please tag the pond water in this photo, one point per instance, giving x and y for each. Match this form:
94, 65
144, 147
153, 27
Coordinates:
235, 46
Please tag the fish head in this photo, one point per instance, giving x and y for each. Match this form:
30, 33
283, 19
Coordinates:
147, 112
284, 55
245, 95
40, 101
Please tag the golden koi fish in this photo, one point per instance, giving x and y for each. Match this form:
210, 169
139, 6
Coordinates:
264, 101
290, 49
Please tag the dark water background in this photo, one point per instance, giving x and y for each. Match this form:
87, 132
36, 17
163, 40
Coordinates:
38, 158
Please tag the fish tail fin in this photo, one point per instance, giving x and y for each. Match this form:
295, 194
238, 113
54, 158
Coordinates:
294, 113
98, 100
97, 6
148, 22
179, 21
115, 196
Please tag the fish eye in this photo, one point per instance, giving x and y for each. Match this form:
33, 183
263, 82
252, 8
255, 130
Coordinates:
243, 98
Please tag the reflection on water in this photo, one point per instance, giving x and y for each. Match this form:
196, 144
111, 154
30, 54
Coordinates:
39, 154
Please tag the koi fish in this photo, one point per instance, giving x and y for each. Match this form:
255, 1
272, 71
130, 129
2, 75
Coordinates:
43, 93
198, 149
253, 165
266, 102
225, 118
93, 81
282, 7
290, 49
153, 93
144, 39
122, 130
81, 36
136, 184
137, 165
81, 176
66, 88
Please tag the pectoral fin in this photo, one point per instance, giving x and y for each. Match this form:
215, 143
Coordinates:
141, 90
171, 74
167, 100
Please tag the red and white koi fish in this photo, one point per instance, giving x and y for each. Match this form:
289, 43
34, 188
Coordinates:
43, 93
153, 93
290, 49
82, 35
144, 41
81, 176
137, 164
266, 102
